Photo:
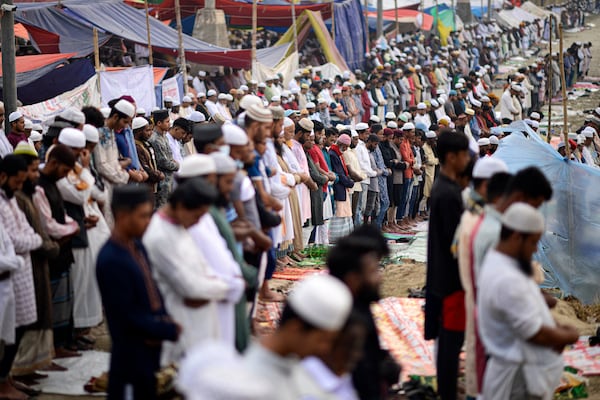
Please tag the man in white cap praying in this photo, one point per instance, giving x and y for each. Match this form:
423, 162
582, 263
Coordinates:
588, 151
422, 115
198, 82
510, 105
211, 102
521, 338
314, 313
17, 128
186, 107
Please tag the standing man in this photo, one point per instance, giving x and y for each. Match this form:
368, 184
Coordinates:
5, 146
362, 153
142, 131
164, 156
17, 128
136, 316
444, 307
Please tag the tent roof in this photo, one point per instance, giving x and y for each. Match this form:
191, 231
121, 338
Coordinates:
159, 72
407, 16
30, 63
269, 13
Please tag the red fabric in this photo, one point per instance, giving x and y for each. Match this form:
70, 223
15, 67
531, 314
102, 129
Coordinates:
46, 41
453, 312
30, 63
233, 58
337, 151
406, 16
317, 156
366, 102
407, 156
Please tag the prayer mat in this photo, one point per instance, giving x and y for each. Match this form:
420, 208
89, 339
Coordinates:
268, 315
311, 262
396, 236
584, 357
296, 274
585, 85
400, 324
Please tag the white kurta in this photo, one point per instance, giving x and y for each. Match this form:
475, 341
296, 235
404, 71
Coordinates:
9, 262
213, 246
182, 272
511, 310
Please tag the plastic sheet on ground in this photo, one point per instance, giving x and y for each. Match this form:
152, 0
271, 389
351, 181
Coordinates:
417, 250
570, 247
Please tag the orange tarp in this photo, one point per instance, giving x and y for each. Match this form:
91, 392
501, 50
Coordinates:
29, 63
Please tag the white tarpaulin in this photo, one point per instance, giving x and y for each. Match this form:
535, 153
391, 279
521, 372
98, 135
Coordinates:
84, 95
170, 88
137, 82
287, 68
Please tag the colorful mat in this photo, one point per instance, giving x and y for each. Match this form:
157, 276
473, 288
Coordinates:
296, 274
400, 323
396, 236
583, 357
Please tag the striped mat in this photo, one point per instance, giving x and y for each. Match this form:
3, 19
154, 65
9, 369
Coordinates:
296, 274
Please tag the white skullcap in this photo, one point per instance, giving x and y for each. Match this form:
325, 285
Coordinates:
375, 118
392, 125
37, 127
336, 91
15, 115
28, 124
588, 132
105, 112
390, 115
430, 135
487, 167
224, 163
310, 104
139, 122
201, 94
440, 100
186, 99
459, 86
580, 139
202, 73
535, 115
494, 140
321, 300
244, 88
211, 93
91, 133
262, 85
534, 124
522, 217
421, 106
228, 97
196, 116
72, 137
287, 122
140, 111
362, 126
196, 165
485, 99
435, 103
276, 98
340, 127
234, 135
126, 108
221, 96
259, 113
353, 133
470, 111
321, 100
168, 99
36, 136
74, 115
249, 100
516, 87
476, 103
408, 126
483, 142
25, 148
597, 110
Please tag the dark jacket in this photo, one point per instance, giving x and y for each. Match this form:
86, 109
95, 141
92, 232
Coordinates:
343, 182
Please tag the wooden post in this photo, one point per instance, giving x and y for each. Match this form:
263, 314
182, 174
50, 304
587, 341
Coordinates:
366, 8
379, 19
254, 28
396, 16
294, 27
333, 19
181, 47
150, 56
9, 75
96, 50
563, 84
549, 129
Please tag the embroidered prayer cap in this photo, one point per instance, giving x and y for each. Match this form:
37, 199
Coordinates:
196, 165
430, 135
249, 100
259, 113
278, 112
125, 107
487, 167
14, 116
321, 300
91, 133
470, 111
36, 136
392, 125
344, 139
234, 135
306, 124
522, 217
72, 137
25, 148
409, 126
224, 164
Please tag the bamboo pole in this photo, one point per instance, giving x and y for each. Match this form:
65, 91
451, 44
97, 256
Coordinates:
254, 27
563, 84
366, 9
333, 20
150, 56
294, 27
96, 50
181, 47
549, 128
396, 17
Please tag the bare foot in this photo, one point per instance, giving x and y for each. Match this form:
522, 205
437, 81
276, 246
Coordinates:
268, 295
9, 392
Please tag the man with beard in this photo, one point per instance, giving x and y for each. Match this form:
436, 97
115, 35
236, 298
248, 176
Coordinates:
13, 172
522, 339
17, 128
355, 261
444, 307
164, 156
61, 228
142, 131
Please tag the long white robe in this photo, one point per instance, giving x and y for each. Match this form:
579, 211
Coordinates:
214, 248
183, 273
9, 262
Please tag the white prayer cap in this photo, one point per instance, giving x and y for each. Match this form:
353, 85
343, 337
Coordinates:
494, 140
321, 300
421, 106
535, 124
310, 104
186, 99
262, 85
440, 100
375, 118
392, 125
211, 93
535, 116
588, 132
196, 165
253, 82
244, 88
201, 94
295, 90
362, 126
597, 110
286, 93
469, 111
458, 86
353, 133
487, 167
287, 122
28, 124
462, 80
430, 135
346, 74
140, 111
522, 217
202, 73
483, 142
336, 91
224, 163
105, 112
516, 87
340, 127
408, 126
36, 136
390, 115
321, 101
196, 116
37, 127
168, 99
126, 108
580, 139
91, 133
249, 100
259, 113
276, 99
435, 103
15, 115
476, 103
234, 135
139, 122
73, 115
222, 96
228, 97
72, 137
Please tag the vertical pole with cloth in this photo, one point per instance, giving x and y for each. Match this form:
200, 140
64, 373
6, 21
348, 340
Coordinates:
563, 85
9, 74
294, 27
366, 9
97, 58
181, 47
333, 20
549, 128
254, 28
396, 17
379, 18
150, 56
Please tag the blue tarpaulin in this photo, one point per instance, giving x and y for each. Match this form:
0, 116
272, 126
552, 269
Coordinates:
350, 36
570, 248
